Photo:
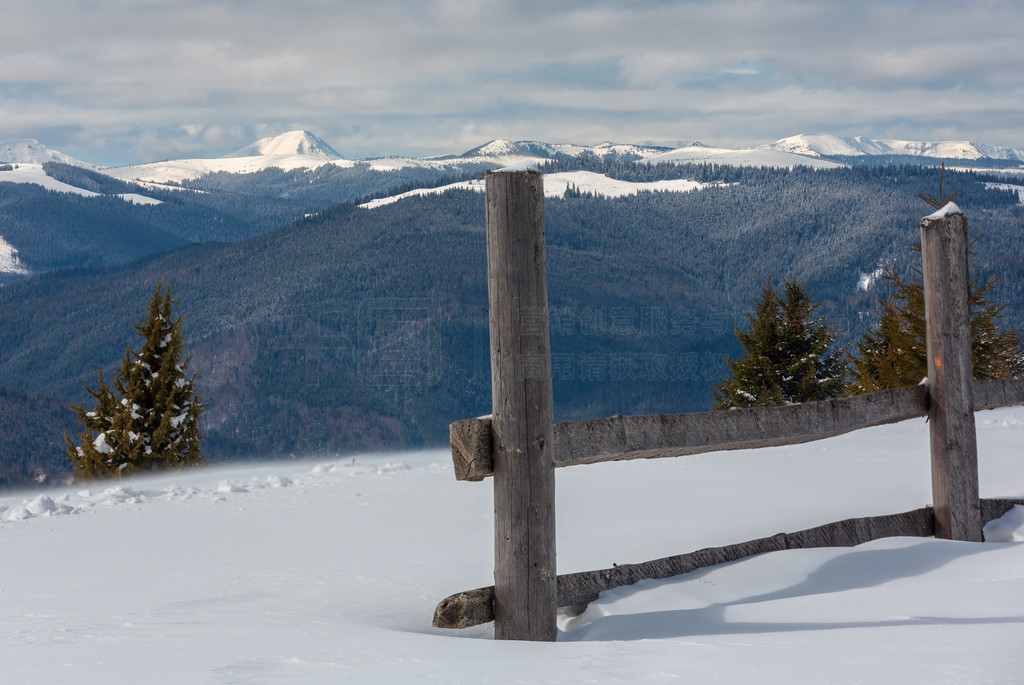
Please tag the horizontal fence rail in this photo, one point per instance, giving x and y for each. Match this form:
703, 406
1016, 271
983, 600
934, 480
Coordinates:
476, 607
620, 438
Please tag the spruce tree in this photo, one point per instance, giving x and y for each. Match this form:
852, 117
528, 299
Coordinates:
149, 418
893, 354
789, 354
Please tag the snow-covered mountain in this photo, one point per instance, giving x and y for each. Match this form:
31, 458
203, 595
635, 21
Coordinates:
755, 157
304, 150
503, 148
288, 151
825, 145
31, 151
301, 143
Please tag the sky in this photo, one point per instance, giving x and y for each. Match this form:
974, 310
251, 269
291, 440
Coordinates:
123, 81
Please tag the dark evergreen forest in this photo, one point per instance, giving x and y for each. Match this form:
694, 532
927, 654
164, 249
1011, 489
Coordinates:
353, 329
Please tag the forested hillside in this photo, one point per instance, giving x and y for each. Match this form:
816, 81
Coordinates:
55, 230
357, 329
31, 437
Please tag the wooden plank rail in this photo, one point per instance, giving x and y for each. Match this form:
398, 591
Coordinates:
475, 607
621, 438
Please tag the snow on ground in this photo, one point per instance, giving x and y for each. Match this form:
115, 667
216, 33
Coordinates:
328, 571
556, 184
135, 198
475, 184
1010, 187
9, 261
33, 173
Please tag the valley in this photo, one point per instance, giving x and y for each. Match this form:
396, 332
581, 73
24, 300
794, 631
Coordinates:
334, 307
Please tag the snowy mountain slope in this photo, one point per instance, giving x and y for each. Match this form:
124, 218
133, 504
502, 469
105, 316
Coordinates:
824, 145
31, 151
180, 170
556, 184
302, 143
755, 157
10, 264
328, 571
288, 151
34, 174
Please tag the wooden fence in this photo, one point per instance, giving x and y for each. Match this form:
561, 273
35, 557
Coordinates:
519, 446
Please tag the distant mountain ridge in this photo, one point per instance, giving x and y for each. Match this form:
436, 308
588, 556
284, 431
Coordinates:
825, 145
302, 149
502, 147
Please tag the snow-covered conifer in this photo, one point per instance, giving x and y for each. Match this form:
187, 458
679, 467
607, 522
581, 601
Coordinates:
789, 354
149, 418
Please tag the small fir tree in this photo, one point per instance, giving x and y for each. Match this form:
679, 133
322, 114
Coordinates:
789, 354
149, 418
894, 353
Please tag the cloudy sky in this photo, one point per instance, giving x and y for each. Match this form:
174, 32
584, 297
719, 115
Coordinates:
121, 81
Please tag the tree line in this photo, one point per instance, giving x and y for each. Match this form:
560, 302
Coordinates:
790, 353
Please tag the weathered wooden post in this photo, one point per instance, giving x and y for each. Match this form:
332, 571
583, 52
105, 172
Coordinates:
950, 375
522, 422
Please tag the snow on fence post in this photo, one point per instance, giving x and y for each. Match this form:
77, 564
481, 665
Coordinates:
525, 591
950, 375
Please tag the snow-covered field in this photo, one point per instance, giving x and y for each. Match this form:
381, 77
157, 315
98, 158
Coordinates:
328, 571
556, 184
33, 173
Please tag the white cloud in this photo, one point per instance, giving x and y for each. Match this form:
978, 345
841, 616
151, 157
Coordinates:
138, 80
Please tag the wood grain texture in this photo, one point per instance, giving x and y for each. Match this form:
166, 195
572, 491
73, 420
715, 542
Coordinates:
621, 438
995, 394
522, 409
471, 449
954, 447
992, 509
612, 439
466, 609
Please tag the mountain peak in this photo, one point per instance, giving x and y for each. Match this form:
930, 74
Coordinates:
301, 143
499, 147
31, 151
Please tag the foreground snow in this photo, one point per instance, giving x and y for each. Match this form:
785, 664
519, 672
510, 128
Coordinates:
328, 572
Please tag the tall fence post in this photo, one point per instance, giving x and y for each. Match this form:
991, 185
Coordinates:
522, 421
950, 375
